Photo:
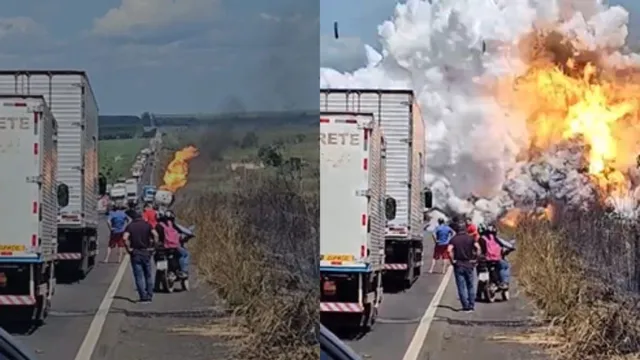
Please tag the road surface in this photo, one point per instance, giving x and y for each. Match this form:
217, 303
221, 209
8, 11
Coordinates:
97, 318
423, 323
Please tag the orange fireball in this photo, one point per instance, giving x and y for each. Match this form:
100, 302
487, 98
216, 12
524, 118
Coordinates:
175, 177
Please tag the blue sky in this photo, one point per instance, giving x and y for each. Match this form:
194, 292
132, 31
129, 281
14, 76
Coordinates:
172, 56
358, 23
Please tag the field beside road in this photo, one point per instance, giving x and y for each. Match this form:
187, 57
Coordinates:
582, 271
253, 196
116, 156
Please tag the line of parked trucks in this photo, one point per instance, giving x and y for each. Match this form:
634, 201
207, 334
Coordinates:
51, 185
131, 191
372, 200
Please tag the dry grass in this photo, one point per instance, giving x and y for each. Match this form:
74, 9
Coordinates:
257, 245
580, 270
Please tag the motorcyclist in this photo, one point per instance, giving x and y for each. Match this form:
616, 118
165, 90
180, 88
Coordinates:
173, 237
494, 250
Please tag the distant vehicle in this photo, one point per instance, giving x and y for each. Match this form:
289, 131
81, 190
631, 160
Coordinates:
72, 102
148, 193
332, 348
352, 218
132, 190
29, 207
399, 116
118, 194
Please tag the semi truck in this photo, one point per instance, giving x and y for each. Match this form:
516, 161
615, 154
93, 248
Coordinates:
118, 195
398, 115
132, 186
352, 219
29, 201
69, 95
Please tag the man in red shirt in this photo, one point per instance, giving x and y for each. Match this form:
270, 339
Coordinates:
150, 215
472, 230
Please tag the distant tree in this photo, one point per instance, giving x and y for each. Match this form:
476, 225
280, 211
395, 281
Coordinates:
271, 155
249, 140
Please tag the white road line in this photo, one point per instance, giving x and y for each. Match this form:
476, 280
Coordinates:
95, 329
413, 351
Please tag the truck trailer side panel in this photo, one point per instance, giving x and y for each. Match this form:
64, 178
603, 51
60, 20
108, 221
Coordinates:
70, 98
28, 202
401, 123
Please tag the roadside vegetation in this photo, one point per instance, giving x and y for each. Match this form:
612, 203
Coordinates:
253, 194
582, 270
116, 156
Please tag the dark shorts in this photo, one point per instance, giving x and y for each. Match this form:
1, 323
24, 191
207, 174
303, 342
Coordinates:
116, 240
440, 252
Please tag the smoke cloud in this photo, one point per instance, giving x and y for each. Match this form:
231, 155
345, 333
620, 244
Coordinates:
453, 54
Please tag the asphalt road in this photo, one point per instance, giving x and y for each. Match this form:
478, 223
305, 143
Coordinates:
450, 334
73, 308
399, 317
131, 331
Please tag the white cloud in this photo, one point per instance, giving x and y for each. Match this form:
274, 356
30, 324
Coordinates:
136, 15
20, 25
345, 53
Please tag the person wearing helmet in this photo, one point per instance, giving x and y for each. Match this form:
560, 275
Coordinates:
494, 250
171, 236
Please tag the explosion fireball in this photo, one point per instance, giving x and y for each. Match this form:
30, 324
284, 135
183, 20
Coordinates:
526, 103
175, 177
573, 97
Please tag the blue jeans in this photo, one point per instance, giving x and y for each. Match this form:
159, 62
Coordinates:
184, 259
466, 284
504, 271
141, 266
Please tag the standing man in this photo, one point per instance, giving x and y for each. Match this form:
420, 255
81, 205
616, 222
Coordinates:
463, 252
117, 222
140, 238
150, 215
472, 229
441, 236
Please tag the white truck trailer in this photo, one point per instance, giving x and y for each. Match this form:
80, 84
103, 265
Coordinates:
398, 115
29, 207
133, 193
352, 218
71, 100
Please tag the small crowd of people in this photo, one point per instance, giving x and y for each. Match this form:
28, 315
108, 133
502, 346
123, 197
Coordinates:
139, 235
463, 244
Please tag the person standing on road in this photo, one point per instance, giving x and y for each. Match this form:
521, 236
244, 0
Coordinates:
140, 238
463, 252
441, 236
472, 229
150, 215
117, 222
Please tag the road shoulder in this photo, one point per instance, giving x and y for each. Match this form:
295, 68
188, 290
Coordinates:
178, 325
501, 330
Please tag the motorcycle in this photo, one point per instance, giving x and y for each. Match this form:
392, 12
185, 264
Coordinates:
488, 283
489, 276
168, 266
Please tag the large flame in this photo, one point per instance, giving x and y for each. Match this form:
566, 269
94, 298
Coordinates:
566, 94
175, 176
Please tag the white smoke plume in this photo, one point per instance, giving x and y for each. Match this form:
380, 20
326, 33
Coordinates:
436, 49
